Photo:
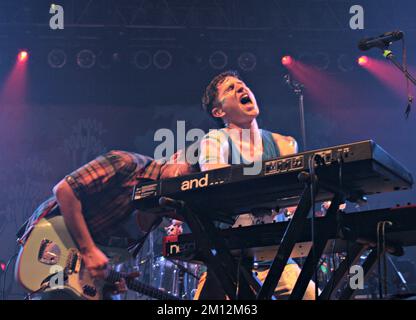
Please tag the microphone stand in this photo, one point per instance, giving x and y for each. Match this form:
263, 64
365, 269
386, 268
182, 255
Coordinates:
403, 282
298, 90
388, 54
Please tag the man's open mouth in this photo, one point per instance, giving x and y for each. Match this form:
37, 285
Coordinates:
245, 99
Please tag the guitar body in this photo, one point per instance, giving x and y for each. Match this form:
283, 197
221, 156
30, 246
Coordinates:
49, 251
50, 261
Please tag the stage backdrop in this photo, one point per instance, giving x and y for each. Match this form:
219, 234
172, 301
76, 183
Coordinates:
43, 141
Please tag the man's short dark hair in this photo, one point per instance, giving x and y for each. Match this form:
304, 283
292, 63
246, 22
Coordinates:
209, 99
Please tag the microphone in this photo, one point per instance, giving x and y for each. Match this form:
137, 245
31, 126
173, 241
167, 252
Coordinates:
293, 84
381, 41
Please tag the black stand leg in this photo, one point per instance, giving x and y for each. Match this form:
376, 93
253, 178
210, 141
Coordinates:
289, 239
245, 276
310, 264
333, 284
367, 266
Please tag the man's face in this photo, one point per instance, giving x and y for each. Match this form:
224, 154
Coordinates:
236, 103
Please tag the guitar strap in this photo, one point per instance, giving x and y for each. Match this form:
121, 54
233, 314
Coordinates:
25, 230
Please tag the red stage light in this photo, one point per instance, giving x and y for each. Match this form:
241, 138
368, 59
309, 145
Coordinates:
287, 61
363, 61
23, 55
2, 266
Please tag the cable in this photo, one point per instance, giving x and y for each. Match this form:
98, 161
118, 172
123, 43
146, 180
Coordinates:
408, 93
381, 248
380, 289
137, 246
333, 268
384, 260
237, 288
312, 184
348, 258
340, 161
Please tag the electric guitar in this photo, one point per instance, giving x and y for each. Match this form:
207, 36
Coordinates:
50, 260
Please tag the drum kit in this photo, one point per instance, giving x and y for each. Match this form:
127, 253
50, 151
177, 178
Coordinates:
175, 277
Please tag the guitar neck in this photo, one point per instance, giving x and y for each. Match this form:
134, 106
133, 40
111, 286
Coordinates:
140, 287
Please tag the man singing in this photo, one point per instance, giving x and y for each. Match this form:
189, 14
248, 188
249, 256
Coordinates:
233, 106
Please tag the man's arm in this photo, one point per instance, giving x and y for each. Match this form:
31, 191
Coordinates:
214, 151
71, 210
287, 145
90, 179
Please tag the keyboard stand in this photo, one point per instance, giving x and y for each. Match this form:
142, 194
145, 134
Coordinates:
236, 280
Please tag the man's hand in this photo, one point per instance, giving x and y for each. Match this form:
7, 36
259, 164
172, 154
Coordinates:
109, 290
96, 262
176, 166
119, 287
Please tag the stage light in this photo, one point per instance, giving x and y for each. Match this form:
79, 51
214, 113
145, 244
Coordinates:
57, 58
162, 59
218, 60
2, 266
23, 56
142, 60
363, 61
287, 61
86, 59
247, 61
